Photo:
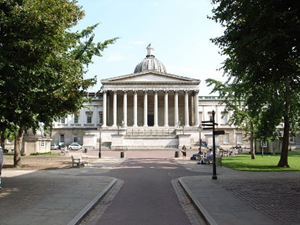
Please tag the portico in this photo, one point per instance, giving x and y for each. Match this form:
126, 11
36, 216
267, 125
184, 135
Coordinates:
150, 107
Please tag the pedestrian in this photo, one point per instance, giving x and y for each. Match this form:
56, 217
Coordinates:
207, 159
183, 150
199, 151
1, 164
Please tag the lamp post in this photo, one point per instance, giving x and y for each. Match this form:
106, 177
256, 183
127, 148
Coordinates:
200, 140
214, 176
100, 127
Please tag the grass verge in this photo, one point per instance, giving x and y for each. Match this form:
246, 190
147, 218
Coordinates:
265, 163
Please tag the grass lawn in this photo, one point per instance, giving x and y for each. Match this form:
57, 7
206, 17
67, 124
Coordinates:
266, 163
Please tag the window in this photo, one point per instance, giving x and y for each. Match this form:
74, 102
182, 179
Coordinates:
239, 139
89, 118
42, 143
292, 139
75, 118
264, 144
224, 118
62, 138
200, 117
75, 138
100, 118
225, 138
210, 118
63, 120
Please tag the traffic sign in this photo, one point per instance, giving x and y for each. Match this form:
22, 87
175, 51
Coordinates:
219, 132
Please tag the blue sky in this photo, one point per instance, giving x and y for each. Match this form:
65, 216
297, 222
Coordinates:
178, 30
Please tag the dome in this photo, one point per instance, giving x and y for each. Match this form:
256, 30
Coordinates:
150, 63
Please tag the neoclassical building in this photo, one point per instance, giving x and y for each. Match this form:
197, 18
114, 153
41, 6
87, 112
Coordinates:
148, 109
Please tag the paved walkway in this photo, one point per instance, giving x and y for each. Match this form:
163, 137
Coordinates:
244, 197
65, 196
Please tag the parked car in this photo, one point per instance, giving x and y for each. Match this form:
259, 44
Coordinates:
54, 147
74, 146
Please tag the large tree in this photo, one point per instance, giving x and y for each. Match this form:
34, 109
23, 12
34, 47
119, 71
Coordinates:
42, 63
261, 42
233, 97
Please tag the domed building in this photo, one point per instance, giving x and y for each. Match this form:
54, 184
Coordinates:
147, 109
150, 63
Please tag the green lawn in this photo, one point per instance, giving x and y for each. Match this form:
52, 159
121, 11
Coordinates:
267, 163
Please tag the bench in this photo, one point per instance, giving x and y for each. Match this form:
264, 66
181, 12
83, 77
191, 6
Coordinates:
218, 160
78, 160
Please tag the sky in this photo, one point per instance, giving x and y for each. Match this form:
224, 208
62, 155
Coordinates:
178, 30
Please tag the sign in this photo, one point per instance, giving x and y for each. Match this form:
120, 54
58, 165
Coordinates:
207, 125
219, 132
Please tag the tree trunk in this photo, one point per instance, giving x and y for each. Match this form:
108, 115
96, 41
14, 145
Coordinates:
2, 139
283, 162
252, 150
18, 147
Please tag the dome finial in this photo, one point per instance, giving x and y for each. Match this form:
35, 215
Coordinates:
149, 50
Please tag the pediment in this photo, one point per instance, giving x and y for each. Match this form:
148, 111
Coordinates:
149, 77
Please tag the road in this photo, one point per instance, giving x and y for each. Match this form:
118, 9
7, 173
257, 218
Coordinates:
146, 195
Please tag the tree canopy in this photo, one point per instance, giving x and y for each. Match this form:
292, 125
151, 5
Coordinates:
43, 62
261, 42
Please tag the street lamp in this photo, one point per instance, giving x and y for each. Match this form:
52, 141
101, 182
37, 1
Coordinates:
100, 127
214, 176
200, 140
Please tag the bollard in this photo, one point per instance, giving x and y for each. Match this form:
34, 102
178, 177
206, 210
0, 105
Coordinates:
122, 154
176, 154
85, 150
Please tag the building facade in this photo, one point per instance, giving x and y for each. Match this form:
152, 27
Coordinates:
148, 109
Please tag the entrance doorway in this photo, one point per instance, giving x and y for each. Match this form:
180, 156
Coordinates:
150, 120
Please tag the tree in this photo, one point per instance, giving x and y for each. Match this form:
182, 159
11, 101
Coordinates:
42, 63
261, 40
234, 99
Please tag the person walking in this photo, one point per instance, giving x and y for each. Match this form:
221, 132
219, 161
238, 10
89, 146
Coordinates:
1, 164
183, 150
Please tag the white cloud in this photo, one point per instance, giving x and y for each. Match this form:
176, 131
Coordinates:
116, 57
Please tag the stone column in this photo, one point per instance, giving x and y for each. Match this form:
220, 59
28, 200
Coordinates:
145, 108
166, 109
176, 115
196, 108
104, 108
135, 108
186, 108
115, 109
155, 108
125, 109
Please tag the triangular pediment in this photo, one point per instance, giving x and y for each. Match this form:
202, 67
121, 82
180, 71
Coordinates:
149, 77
